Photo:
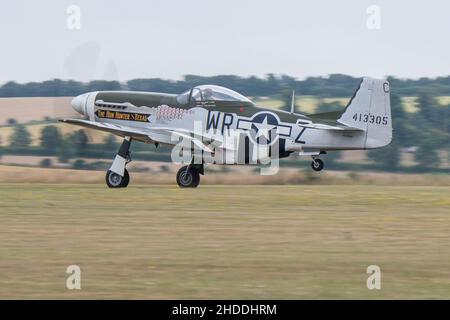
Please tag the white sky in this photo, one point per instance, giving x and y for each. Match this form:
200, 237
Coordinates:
170, 38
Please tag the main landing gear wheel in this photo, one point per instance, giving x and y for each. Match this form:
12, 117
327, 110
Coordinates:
114, 180
188, 177
317, 164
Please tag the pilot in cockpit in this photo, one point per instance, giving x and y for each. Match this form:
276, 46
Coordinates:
207, 94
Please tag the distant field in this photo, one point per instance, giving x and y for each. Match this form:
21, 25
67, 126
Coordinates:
28, 109
410, 104
294, 242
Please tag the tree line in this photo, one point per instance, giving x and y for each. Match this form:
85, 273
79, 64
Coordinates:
334, 85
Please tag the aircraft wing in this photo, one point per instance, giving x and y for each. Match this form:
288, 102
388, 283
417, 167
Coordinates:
160, 135
205, 142
107, 127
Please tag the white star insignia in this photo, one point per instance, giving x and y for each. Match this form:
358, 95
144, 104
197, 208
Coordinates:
264, 129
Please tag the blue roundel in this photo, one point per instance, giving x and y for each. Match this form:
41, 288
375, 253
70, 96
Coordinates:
260, 118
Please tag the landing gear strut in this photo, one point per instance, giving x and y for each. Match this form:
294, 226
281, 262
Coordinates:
118, 176
189, 176
317, 164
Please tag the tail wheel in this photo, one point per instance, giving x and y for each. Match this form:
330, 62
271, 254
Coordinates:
317, 165
188, 177
114, 180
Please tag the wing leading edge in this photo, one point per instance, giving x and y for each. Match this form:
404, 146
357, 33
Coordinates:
158, 135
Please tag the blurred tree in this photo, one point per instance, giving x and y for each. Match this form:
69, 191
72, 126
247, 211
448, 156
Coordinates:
427, 152
79, 141
79, 164
110, 142
46, 163
11, 89
331, 158
66, 150
1, 146
388, 157
404, 135
50, 138
20, 137
429, 107
11, 121
101, 85
427, 157
273, 84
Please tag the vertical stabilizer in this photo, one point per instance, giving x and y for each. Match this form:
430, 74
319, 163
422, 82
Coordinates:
370, 110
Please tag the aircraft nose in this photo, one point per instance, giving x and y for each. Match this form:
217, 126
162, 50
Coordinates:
78, 103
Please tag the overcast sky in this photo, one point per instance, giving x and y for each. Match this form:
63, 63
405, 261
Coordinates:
171, 38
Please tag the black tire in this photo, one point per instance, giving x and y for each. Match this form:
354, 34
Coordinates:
113, 180
317, 165
197, 179
126, 179
188, 178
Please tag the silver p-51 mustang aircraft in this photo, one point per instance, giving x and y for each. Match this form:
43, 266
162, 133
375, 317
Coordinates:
220, 126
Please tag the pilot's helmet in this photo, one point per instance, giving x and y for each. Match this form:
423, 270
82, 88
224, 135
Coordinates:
207, 93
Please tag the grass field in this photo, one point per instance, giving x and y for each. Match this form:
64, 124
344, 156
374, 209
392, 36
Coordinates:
224, 241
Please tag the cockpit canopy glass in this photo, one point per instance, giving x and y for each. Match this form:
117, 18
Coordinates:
211, 93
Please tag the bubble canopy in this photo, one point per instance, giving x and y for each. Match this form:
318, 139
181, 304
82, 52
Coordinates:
210, 93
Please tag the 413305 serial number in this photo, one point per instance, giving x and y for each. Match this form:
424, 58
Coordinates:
370, 118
